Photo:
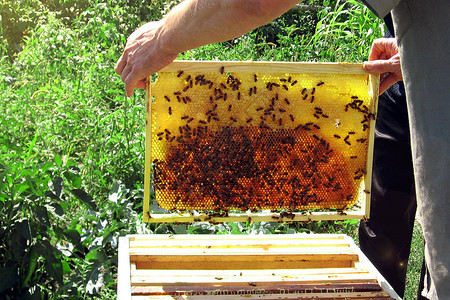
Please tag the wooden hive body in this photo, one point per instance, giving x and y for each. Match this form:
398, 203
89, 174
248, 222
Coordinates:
302, 266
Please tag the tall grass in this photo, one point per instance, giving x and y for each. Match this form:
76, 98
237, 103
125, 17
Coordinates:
72, 144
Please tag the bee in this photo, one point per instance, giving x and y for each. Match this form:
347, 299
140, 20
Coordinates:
239, 96
337, 136
313, 91
294, 82
229, 107
249, 120
353, 156
222, 69
292, 117
285, 87
259, 108
233, 119
287, 101
167, 98
282, 110
180, 73
170, 110
320, 83
255, 78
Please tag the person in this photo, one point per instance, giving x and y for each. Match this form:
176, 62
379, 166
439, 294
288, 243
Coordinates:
386, 237
423, 34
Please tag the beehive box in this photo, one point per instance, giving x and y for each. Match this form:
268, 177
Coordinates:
301, 266
252, 136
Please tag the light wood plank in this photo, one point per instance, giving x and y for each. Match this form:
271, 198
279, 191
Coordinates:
248, 272
148, 147
322, 296
259, 280
235, 237
374, 84
247, 288
256, 265
265, 67
256, 217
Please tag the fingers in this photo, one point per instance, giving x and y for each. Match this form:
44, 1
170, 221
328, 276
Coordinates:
387, 82
383, 48
381, 66
120, 65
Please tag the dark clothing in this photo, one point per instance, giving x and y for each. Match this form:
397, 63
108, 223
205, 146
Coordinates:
386, 238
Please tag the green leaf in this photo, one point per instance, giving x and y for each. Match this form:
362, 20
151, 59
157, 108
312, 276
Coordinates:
58, 160
85, 197
96, 279
42, 215
66, 267
56, 186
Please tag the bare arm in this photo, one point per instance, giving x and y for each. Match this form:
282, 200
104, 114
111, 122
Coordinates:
189, 25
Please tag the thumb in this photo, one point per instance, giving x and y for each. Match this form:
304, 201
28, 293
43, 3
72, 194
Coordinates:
382, 66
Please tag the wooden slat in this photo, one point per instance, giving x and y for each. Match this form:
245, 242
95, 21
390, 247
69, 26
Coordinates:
322, 296
237, 241
265, 67
148, 147
256, 217
247, 288
248, 272
257, 265
374, 84
259, 280
232, 238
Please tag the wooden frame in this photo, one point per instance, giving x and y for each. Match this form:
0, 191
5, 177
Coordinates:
293, 266
262, 67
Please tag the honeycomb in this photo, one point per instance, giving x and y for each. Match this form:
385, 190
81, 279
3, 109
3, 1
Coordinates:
250, 141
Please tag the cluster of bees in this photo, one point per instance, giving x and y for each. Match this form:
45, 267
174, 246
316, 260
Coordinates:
223, 142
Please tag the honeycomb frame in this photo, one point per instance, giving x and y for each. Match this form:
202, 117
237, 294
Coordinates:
289, 73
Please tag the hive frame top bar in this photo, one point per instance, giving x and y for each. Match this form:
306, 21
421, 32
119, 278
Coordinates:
261, 67
265, 67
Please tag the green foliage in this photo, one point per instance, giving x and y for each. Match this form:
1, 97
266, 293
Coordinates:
72, 144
